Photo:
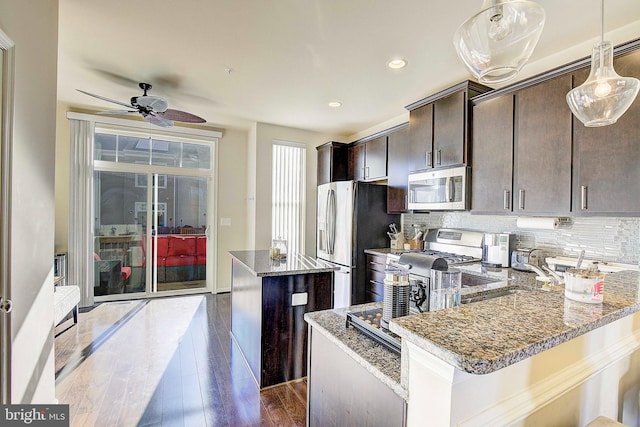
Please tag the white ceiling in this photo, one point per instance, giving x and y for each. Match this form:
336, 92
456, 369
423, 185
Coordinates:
289, 58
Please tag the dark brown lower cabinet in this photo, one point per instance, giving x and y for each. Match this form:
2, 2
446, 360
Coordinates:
374, 288
271, 331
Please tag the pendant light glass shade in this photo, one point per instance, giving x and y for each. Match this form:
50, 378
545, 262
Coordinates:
604, 96
496, 43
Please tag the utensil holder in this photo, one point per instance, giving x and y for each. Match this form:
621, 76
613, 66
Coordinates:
416, 244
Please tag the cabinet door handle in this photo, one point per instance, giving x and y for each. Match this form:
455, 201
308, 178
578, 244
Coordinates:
583, 197
439, 157
366, 172
429, 155
521, 199
507, 200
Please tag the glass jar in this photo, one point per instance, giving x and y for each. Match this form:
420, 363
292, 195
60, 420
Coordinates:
278, 249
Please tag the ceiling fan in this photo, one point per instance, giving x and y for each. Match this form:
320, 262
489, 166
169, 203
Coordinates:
152, 108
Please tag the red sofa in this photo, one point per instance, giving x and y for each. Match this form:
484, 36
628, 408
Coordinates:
180, 258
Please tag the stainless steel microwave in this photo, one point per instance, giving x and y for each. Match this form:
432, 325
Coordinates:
441, 189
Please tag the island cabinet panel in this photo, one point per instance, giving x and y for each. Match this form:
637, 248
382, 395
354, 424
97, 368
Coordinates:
450, 130
284, 332
341, 392
397, 170
268, 305
332, 162
607, 159
542, 167
420, 149
492, 179
368, 160
246, 315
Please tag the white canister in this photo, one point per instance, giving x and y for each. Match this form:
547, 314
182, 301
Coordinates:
584, 285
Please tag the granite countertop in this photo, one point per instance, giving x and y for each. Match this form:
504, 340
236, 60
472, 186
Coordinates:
485, 336
262, 265
377, 359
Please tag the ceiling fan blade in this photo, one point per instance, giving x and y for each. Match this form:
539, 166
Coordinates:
121, 112
182, 116
106, 99
158, 120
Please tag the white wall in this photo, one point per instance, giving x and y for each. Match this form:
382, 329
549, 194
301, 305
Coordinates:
33, 27
259, 196
232, 195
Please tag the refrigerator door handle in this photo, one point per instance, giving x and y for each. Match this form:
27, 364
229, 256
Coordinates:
331, 220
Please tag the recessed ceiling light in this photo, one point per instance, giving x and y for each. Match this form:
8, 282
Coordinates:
397, 63
335, 104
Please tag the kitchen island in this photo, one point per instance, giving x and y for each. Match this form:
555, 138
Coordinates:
268, 301
525, 358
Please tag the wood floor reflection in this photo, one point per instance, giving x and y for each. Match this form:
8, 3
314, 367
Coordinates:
165, 362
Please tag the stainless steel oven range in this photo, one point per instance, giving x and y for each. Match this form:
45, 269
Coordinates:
443, 248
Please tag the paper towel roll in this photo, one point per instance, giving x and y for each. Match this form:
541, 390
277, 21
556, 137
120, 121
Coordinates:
539, 223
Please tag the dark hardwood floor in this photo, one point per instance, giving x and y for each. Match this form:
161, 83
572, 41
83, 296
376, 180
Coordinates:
165, 362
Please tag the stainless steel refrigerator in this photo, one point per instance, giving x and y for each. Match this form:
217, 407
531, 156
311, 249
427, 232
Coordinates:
352, 217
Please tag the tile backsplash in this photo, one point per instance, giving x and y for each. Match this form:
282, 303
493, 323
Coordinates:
602, 238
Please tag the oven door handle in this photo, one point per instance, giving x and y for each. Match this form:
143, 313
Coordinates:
398, 265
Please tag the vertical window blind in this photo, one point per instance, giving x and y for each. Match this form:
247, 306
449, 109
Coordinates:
288, 194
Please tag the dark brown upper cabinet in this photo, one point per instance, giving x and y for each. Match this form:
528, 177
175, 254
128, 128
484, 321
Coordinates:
332, 162
368, 160
606, 172
492, 172
397, 169
542, 164
420, 149
438, 130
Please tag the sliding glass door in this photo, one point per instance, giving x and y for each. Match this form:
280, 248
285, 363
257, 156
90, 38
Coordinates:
151, 204
179, 233
119, 262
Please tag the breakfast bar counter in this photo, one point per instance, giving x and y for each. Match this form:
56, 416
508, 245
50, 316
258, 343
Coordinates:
483, 337
511, 359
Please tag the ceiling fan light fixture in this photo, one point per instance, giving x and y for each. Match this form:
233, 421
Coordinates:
496, 43
605, 96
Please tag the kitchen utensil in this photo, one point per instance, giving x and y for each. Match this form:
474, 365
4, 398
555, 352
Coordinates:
580, 258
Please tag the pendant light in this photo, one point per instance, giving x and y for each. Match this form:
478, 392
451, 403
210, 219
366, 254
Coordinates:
495, 43
604, 96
